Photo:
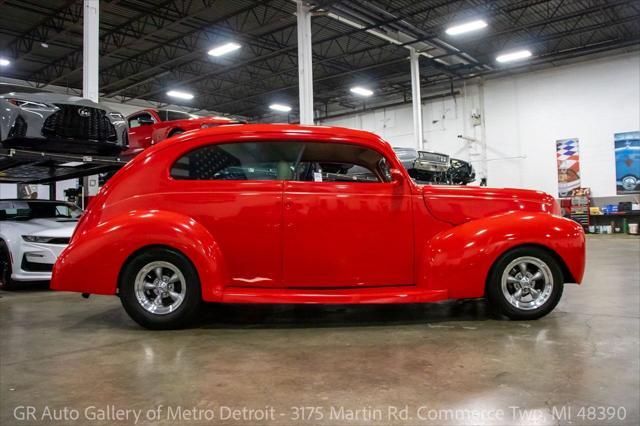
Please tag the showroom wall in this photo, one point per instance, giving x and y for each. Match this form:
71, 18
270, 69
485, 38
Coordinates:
524, 116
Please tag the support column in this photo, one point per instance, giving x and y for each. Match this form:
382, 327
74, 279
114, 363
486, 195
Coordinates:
305, 73
416, 99
90, 49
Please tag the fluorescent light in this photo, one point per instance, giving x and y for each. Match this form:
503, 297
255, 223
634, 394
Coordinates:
361, 91
4, 62
466, 27
514, 56
179, 95
223, 49
280, 107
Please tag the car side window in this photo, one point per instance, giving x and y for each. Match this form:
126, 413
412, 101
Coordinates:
135, 120
239, 161
332, 162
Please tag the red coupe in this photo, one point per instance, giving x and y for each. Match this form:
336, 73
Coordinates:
295, 214
150, 126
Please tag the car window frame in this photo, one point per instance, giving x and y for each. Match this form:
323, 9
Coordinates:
384, 179
137, 115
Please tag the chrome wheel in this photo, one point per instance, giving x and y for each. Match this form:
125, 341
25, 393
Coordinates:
160, 287
629, 183
527, 283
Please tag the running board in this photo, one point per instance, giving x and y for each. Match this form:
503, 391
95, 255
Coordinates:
382, 295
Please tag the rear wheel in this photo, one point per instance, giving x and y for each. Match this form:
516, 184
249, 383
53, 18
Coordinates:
160, 289
6, 283
525, 283
175, 132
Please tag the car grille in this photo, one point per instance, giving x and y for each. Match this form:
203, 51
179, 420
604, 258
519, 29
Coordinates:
19, 128
68, 123
35, 267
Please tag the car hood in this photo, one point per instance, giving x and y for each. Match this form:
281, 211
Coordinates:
53, 98
459, 204
46, 227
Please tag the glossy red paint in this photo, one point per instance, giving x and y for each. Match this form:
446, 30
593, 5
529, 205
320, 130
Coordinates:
310, 242
142, 137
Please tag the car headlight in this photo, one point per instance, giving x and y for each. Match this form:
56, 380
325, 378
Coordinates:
31, 105
116, 116
36, 239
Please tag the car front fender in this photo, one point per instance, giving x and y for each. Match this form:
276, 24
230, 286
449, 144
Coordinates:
459, 259
95, 257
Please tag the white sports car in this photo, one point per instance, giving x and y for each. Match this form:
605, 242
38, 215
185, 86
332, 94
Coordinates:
32, 235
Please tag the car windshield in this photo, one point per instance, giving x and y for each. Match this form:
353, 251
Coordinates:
405, 153
28, 209
168, 115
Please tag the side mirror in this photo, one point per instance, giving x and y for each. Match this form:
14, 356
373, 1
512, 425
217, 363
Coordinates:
397, 177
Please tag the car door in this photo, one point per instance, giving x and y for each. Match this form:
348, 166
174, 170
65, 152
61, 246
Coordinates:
235, 191
140, 131
345, 223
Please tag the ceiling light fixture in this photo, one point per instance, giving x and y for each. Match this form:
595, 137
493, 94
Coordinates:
180, 95
280, 107
478, 24
223, 49
4, 62
362, 91
514, 56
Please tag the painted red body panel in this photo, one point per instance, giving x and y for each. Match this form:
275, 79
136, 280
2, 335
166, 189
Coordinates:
142, 137
310, 242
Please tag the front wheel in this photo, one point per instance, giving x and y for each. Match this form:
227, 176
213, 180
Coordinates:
6, 283
525, 283
160, 289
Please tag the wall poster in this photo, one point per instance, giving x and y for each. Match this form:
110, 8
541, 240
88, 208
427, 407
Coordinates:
627, 148
568, 157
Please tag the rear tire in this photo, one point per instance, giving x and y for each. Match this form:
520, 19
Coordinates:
160, 289
526, 283
175, 132
6, 283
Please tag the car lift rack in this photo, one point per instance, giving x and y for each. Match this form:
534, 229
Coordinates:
26, 166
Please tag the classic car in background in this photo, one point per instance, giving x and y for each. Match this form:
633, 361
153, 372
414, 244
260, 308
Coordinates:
628, 165
435, 168
32, 235
150, 126
461, 172
332, 217
45, 121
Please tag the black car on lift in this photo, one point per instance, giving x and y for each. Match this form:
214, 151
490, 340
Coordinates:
435, 168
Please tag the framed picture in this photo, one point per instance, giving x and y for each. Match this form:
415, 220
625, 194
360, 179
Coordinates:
627, 149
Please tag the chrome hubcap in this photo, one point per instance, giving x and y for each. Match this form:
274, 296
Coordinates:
160, 287
629, 183
527, 283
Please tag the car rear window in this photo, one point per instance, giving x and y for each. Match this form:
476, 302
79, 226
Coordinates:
168, 115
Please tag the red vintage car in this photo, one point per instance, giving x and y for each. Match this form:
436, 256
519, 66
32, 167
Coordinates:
150, 126
304, 214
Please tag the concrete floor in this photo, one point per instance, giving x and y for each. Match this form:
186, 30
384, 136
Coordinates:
58, 350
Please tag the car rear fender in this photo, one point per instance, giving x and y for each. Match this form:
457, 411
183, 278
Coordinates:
459, 259
99, 254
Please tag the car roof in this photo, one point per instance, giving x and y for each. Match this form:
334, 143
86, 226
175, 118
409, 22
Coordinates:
328, 134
